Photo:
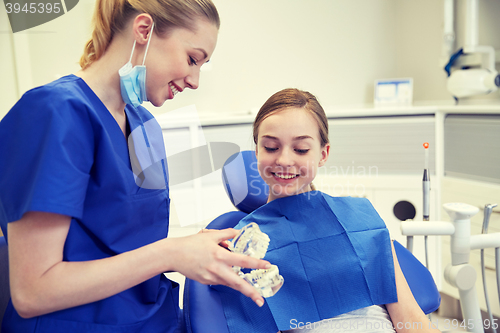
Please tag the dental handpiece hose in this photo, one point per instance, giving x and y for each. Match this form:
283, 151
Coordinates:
426, 189
486, 220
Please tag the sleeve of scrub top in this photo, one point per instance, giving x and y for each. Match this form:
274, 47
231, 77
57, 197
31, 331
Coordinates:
47, 143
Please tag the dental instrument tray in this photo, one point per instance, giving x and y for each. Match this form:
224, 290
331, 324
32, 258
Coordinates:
254, 243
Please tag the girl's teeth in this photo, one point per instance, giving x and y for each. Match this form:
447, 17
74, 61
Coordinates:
285, 177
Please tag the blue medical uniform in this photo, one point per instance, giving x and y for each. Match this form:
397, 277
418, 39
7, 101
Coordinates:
63, 152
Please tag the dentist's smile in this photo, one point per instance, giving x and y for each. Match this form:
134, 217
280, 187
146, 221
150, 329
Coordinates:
174, 89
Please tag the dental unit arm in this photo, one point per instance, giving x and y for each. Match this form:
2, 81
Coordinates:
254, 243
459, 273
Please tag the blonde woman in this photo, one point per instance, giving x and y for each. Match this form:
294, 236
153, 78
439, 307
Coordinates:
85, 219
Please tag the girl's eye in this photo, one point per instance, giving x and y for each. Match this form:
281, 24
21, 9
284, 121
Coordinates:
192, 61
270, 149
302, 151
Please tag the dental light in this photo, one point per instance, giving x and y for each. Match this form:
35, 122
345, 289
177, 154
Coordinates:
470, 82
475, 81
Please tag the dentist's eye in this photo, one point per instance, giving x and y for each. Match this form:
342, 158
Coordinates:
192, 61
270, 149
302, 151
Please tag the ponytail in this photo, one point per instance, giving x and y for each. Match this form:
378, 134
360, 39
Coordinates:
110, 16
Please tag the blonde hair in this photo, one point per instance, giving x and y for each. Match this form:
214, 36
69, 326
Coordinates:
293, 98
111, 17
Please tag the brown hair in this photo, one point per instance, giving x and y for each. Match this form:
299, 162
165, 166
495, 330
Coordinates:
111, 17
293, 98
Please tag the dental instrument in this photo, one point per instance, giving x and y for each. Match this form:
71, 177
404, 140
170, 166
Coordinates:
426, 183
486, 220
426, 188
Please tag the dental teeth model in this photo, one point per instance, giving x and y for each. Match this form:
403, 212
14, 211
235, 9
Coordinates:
266, 281
254, 243
251, 242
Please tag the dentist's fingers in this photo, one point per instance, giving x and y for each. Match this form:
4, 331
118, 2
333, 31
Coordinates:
232, 280
221, 235
225, 242
241, 260
235, 259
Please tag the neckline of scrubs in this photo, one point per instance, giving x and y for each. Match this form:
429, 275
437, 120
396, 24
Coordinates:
111, 123
134, 119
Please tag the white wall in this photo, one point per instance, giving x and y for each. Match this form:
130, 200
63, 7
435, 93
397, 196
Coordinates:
41, 54
419, 36
8, 83
56, 46
334, 48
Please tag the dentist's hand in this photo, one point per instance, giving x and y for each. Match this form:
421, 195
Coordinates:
204, 258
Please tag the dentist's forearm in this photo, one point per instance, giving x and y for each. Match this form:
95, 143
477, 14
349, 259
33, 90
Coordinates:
70, 284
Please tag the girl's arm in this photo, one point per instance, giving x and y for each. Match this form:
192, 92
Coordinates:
406, 314
41, 282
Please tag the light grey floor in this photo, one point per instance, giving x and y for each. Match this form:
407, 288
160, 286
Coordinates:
445, 324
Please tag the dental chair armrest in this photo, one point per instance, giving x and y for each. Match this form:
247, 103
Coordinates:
419, 279
202, 307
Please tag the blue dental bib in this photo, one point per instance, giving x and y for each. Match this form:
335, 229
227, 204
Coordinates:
334, 254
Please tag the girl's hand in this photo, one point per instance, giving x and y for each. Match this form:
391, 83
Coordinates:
204, 258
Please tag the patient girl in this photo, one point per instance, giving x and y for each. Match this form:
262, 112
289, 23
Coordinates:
335, 254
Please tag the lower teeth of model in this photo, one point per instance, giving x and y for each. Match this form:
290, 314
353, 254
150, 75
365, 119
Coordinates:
174, 90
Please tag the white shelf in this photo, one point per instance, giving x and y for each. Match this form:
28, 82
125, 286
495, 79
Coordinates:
215, 119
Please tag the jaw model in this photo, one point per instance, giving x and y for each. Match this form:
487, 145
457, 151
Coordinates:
253, 242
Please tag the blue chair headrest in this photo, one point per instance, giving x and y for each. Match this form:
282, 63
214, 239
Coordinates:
244, 186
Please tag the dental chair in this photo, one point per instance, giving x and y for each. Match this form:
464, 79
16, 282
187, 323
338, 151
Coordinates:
202, 307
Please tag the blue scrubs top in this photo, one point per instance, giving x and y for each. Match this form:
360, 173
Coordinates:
63, 152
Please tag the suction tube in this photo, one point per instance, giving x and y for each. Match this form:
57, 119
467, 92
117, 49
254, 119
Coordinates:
486, 220
483, 273
497, 268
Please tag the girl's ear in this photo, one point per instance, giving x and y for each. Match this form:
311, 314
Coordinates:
325, 152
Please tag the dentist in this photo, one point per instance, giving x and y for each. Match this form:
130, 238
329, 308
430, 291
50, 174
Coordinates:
87, 232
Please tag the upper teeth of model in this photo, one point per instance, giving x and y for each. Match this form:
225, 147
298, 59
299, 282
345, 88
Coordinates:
173, 88
285, 176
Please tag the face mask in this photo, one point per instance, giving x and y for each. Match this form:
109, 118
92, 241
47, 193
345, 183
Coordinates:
133, 79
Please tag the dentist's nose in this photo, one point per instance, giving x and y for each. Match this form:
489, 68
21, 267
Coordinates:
193, 79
